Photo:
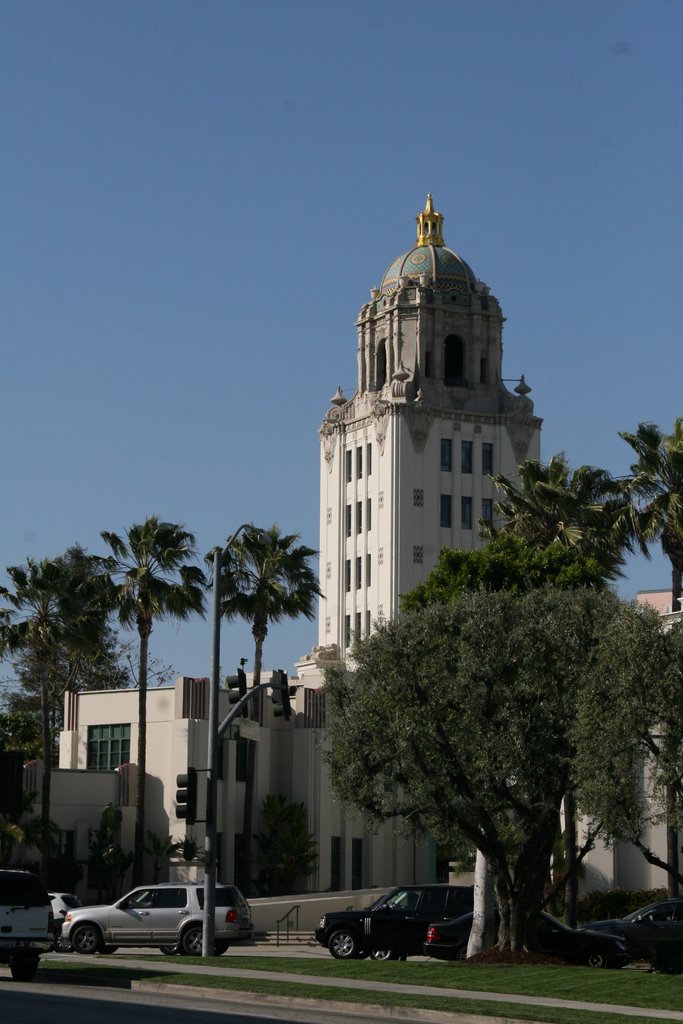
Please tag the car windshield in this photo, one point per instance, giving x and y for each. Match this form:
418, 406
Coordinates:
22, 891
404, 899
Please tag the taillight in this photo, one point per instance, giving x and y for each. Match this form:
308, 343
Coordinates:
231, 917
433, 935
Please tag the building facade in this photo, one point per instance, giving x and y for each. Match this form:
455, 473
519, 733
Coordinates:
406, 462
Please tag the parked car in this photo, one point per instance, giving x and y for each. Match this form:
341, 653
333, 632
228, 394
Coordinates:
164, 915
62, 903
642, 928
26, 922
395, 925
448, 941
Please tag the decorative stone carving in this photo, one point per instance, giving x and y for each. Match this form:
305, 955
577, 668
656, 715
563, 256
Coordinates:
328, 436
419, 422
521, 427
380, 414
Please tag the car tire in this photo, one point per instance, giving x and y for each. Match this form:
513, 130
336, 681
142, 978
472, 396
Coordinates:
220, 947
191, 941
343, 944
596, 958
384, 954
86, 940
169, 950
24, 968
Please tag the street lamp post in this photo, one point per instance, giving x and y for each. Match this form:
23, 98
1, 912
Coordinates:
210, 852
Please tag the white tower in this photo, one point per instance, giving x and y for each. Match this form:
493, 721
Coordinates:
405, 463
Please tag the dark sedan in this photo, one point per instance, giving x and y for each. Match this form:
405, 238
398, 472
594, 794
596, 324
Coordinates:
644, 927
447, 940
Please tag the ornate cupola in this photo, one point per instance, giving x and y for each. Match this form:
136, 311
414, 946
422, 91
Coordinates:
429, 224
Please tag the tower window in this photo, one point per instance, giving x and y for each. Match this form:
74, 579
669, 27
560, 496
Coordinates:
483, 370
347, 575
466, 457
466, 513
348, 520
359, 572
359, 516
454, 361
381, 376
487, 458
368, 515
368, 459
428, 363
446, 454
358, 623
359, 463
347, 631
349, 465
446, 511
368, 570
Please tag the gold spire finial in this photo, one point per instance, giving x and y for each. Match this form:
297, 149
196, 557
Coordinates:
429, 224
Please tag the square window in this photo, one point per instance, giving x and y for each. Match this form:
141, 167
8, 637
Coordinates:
466, 456
487, 510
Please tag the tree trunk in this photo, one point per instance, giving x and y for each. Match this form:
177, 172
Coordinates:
571, 889
672, 887
138, 854
250, 782
47, 771
483, 931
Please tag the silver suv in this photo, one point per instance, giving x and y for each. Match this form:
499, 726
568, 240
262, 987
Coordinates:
165, 915
26, 922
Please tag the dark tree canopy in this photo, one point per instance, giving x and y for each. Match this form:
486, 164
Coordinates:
461, 719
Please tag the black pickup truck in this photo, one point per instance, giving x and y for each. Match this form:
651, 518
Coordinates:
395, 926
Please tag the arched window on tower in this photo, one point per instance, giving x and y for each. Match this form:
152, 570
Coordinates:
381, 378
483, 370
454, 361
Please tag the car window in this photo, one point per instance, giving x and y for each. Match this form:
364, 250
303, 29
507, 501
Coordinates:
404, 899
458, 901
20, 890
665, 912
139, 898
433, 902
170, 897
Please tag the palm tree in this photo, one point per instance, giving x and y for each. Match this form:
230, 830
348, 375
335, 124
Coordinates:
656, 486
266, 578
583, 510
151, 581
656, 489
53, 608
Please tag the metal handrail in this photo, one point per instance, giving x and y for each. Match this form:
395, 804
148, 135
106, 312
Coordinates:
287, 919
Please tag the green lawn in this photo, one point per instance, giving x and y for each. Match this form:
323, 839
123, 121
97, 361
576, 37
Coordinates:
631, 988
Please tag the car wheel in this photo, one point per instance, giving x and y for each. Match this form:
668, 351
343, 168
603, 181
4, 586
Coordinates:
86, 939
169, 950
220, 946
384, 954
24, 968
191, 941
343, 944
596, 958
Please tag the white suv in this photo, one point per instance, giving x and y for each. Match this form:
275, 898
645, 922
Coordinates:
26, 922
169, 914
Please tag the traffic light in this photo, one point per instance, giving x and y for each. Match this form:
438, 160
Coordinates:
237, 688
281, 692
186, 796
11, 782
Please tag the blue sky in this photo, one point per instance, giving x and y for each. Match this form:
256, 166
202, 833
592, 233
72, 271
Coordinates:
197, 197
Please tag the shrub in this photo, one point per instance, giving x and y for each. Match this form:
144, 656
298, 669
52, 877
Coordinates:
614, 903
667, 956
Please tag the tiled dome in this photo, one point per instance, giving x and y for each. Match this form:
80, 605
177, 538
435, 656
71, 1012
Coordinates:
445, 269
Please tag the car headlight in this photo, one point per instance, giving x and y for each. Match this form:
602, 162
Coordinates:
323, 921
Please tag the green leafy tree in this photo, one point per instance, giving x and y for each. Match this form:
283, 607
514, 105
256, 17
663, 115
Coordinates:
161, 850
632, 726
656, 487
53, 605
581, 509
108, 862
286, 849
460, 720
152, 579
20, 731
267, 577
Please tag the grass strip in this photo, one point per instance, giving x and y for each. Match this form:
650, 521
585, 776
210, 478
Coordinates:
108, 972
